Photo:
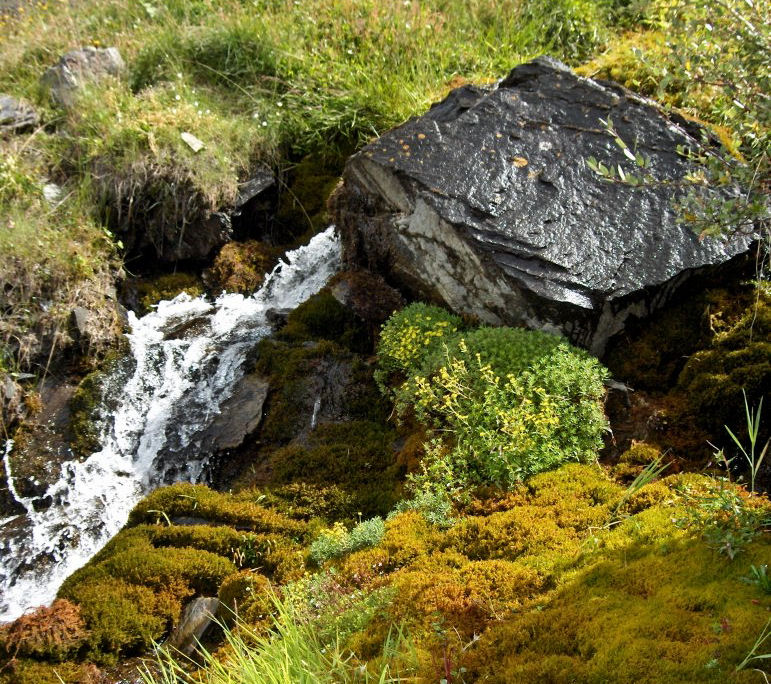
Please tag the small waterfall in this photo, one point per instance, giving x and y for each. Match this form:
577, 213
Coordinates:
187, 355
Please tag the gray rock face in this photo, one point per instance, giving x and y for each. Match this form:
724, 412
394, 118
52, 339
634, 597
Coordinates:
239, 416
79, 67
196, 619
486, 204
16, 116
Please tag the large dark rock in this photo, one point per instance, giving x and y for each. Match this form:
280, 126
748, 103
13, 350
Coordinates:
486, 204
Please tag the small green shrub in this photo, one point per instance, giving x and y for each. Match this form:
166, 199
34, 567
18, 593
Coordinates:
504, 430
408, 337
435, 506
337, 541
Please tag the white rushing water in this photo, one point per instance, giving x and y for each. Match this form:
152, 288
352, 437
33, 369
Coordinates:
188, 355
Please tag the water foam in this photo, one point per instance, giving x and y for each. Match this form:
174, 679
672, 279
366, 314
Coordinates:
187, 356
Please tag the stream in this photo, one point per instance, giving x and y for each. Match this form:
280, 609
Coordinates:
185, 358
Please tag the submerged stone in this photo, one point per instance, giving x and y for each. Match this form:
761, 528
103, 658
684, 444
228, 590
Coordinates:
486, 204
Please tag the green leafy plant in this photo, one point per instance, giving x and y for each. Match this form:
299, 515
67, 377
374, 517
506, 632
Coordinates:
754, 460
337, 541
759, 576
493, 430
715, 65
431, 502
726, 515
408, 337
753, 654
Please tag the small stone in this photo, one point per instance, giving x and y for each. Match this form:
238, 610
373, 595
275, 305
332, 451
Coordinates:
192, 142
16, 116
196, 619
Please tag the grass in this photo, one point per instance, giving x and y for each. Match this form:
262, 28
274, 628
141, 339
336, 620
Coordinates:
256, 82
263, 81
293, 653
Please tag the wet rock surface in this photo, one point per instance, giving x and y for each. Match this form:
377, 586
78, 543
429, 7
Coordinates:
239, 416
486, 204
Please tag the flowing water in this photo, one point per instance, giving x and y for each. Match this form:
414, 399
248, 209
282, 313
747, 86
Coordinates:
185, 358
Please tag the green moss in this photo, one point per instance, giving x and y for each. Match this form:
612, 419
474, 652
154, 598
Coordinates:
303, 196
618, 621
150, 291
241, 510
162, 569
739, 359
288, 367
25, 671
650, 353
304, 500
246, 595
122, 618
356, 456
241, 267
322, 317
84, 426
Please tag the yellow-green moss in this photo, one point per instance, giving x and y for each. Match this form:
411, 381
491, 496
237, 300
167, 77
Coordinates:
150, 291
466, 599
241, 267
739, 359
25, 671
121, 618
663, 616
246, 595
84, 429
356, 456
242, 509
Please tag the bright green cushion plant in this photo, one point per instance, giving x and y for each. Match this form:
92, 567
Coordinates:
501, 404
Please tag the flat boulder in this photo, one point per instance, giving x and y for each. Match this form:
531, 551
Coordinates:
486, 204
